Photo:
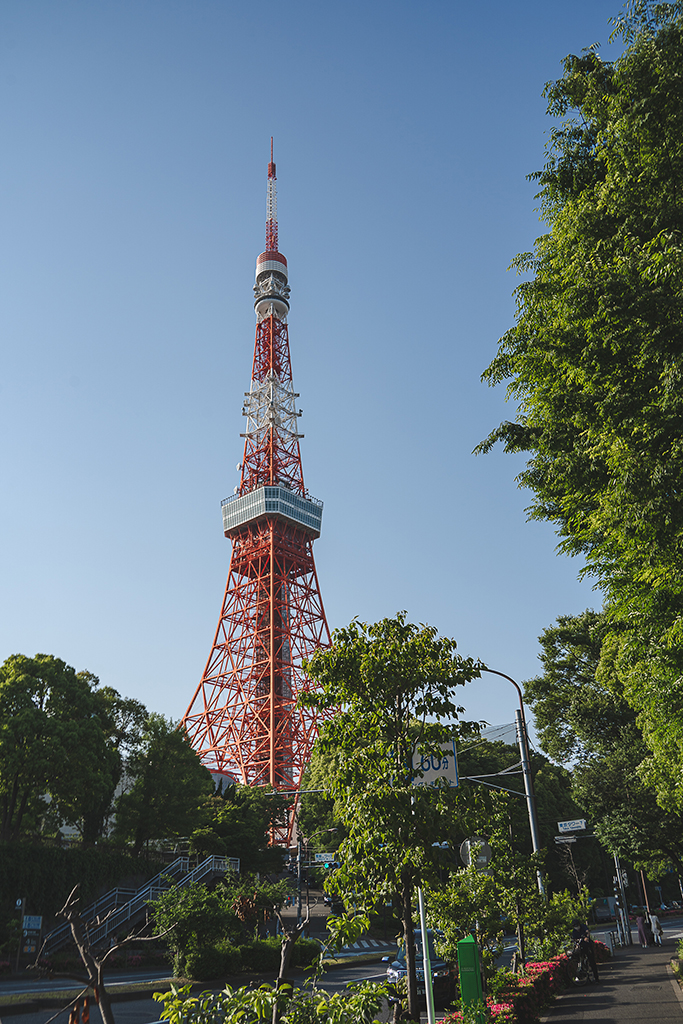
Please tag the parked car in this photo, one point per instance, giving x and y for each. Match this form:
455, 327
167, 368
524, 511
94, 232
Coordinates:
443, 974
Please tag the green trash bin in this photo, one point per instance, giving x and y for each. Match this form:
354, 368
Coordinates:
469, 968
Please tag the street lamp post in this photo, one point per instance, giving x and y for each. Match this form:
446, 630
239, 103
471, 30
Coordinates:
298, 878
523, 740
299, 843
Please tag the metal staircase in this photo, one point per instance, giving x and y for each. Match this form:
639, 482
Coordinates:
124, 906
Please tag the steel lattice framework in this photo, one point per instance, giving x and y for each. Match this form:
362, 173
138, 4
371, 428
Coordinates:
243, 720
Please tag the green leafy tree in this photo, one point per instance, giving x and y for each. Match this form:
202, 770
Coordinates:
237, 823
502, 898
51, 741
198, 918
393, 684
317, 817
168, 789
253, 898
595, 358
500, 765
206, 924
121, 720
487, 902
583, 717
574, 711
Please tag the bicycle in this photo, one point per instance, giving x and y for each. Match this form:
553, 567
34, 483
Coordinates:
581, 970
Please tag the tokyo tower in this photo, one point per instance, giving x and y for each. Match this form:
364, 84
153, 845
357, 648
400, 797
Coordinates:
243, 720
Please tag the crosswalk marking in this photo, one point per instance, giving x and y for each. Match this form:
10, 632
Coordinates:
367, 944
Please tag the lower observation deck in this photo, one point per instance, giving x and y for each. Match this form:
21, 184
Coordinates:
275, 501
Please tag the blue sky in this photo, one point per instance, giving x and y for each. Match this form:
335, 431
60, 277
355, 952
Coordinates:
132, 201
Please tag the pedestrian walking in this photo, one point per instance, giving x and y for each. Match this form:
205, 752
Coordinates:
657, 929
640, 925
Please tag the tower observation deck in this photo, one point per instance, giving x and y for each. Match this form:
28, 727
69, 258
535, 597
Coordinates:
243, 720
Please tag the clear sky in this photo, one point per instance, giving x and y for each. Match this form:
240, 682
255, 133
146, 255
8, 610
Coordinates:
135, 140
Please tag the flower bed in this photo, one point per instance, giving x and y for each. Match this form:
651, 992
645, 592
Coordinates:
522, 1002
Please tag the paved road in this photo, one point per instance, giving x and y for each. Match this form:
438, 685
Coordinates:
146, 1010
19, 985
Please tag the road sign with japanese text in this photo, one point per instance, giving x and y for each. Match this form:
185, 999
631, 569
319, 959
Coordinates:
576, 825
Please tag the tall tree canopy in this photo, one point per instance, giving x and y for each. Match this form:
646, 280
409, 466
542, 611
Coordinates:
554, 801
51, 742
580, 717
595, 358
169, 785
65, 743
121, 721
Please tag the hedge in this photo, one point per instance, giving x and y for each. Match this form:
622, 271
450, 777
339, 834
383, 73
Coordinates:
45, 875
262, 956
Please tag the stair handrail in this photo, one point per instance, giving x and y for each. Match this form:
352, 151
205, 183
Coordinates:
212, 865
96, 909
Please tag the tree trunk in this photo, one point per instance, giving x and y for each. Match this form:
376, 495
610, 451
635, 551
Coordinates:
9, 803
409, 938
103, 1000
21, 812
93, 968
288, 940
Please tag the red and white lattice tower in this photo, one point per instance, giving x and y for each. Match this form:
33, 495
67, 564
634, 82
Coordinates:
243, 720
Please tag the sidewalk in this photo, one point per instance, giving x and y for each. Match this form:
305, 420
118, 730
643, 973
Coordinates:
634, 986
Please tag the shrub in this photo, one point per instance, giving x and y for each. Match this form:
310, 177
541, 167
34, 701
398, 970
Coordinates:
534, 990
218, 959
306, 952
211, 962
602, 952
262, 955
491, 1013
251, 1005
233, 958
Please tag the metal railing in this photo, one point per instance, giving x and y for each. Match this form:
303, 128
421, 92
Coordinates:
211, 867
111, 900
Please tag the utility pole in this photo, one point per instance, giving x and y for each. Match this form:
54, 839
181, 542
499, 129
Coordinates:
529, 790
523, 740
625, 921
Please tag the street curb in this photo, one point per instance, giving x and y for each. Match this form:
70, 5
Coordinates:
53, 1000
676, 987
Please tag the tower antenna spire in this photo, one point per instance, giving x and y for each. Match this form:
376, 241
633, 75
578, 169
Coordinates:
271, 205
